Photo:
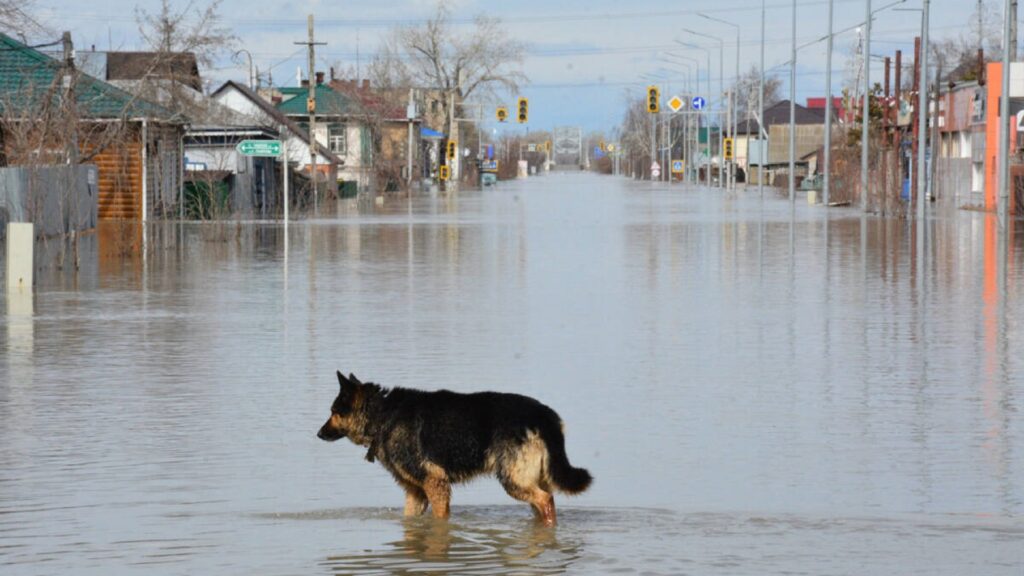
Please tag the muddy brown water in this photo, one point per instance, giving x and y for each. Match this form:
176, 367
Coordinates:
756, 390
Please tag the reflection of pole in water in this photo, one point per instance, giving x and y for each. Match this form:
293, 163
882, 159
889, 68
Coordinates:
20, 336
995, 381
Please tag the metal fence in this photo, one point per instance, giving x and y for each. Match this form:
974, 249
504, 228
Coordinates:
57, 199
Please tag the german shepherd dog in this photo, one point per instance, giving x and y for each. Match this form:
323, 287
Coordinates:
430, 440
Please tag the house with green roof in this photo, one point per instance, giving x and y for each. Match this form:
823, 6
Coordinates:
50, 111
341, 125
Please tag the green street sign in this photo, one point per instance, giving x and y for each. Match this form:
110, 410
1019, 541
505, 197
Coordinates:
270, 148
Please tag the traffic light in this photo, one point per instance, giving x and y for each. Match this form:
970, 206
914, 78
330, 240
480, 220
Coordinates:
453, 149
443, 174
547, 146
502, 114
727, 144
524, 109
652, 99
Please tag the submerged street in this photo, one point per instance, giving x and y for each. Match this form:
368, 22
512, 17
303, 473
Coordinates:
756, 389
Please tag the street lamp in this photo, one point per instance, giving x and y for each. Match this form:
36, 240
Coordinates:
707, 55
695, 145
721, 95
760, 121
735, 101
251, 75
864, 148
669, 142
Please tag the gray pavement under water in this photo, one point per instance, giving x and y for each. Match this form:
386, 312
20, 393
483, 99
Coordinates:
756, 390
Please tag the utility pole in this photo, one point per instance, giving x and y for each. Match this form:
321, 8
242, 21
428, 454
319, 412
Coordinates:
828, 109
311, 105
865, 148
760, 120
1004, 182
70, 100
1011, 21
410, 114
792, 115
922, 129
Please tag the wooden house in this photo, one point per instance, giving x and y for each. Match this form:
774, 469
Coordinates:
51, 113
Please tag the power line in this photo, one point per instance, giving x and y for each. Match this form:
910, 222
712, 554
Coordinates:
349, 22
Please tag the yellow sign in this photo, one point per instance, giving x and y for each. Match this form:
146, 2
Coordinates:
610, 148
443, 174
727, 144
676, 103
677, 167
502, 114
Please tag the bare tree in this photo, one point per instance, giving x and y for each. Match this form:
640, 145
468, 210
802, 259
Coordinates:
958, 55
16, 18
193, 29
748, 88
480, 62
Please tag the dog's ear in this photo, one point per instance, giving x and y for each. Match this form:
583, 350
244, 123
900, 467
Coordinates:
352, 378
342, 381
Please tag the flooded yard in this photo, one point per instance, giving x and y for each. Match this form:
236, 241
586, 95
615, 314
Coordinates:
756, 389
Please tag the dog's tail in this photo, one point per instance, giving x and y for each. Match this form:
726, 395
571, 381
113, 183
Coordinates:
562, 474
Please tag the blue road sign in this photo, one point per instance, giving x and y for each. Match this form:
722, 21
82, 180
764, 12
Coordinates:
699, 103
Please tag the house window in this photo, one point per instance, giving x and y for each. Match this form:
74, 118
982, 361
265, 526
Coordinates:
336, 138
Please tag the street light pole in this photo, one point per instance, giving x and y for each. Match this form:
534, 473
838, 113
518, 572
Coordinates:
760, 120
734, 108
721, 52
826, 183
864, 135
792, 116
1004, 119
705, 112
922, 115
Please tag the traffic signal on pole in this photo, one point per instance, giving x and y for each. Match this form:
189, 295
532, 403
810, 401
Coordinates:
524, 110
653, 97
443, 174
453, 149
502, 114
727, 144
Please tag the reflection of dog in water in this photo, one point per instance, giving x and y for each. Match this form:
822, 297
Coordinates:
428, 440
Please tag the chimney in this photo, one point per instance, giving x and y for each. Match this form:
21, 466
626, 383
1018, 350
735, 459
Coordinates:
319, 78
332, 73
366, 83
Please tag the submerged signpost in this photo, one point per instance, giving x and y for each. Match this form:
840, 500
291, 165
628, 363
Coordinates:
269, 149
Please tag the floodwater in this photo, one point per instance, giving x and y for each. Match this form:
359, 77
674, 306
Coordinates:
756, 389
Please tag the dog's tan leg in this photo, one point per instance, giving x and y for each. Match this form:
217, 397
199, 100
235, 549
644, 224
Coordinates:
544, 503
415, 501
439, 493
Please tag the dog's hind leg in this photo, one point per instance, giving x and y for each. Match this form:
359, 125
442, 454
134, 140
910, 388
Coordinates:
415, 500
439, 493
521, 475
543, 502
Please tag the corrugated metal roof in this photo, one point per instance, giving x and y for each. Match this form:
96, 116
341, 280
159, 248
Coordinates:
27, 76
328, 102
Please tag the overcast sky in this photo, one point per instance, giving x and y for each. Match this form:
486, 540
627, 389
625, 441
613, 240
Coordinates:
583, 57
